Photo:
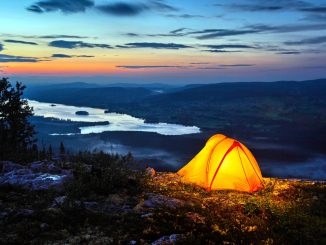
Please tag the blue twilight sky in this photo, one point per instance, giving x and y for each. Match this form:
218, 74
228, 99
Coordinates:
163, 41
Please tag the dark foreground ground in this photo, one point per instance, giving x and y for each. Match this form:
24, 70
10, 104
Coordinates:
109, 204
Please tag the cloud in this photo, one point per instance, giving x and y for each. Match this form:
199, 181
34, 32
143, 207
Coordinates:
61, 56
272, 6
70, 56
251, 7
174, 33
245, 30
279, 50
230, 46
76, 44
185, 16
315, 17
314, 9
131, 34
314, 40
155, 45
254, 29
311, 67
1, 47
85, 56
237, 65
222, 51
213, 33
18, 41
288, 28
200, 63
132, 9
161, 6
123, 9
289, 52
11, 36
221, 48
4, 58
61, 36
178, 30
149, 67
65, 6
210, 68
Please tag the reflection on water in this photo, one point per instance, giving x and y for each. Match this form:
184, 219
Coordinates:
116, 121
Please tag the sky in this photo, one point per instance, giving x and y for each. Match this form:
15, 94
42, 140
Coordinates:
184, 41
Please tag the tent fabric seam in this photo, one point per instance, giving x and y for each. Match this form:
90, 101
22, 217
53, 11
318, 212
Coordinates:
261, 181
243, 167
210, 157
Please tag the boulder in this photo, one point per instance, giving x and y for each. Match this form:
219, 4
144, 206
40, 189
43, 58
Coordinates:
195, 218
44, 227
169, 240
59, 201
158, 200
8, 166
45, 167
24, 213
115, 199
39, 176
150, 171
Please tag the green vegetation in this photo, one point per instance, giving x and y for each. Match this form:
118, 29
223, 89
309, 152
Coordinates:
100, 174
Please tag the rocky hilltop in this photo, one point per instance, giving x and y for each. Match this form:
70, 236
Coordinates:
73, 203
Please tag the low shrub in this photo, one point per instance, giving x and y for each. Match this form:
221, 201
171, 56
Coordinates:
103, 174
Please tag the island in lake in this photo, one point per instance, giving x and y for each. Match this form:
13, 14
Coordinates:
82, 113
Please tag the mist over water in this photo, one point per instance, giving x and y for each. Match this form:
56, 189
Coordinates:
116, 121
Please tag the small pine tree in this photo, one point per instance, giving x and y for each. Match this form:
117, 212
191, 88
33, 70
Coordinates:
62, 148
42, 153
50, 152
34, 152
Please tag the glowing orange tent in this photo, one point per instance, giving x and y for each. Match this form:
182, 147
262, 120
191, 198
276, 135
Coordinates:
223, 163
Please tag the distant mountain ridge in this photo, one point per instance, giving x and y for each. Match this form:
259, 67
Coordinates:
93, 97
247, 89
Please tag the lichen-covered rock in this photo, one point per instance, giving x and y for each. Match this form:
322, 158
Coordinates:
25, 213
169, 240
8, 166
45, 167
38, 176
115, 199
158, 200
59, 201
195, 218
150, 171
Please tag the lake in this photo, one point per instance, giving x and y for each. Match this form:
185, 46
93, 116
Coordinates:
116, 121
